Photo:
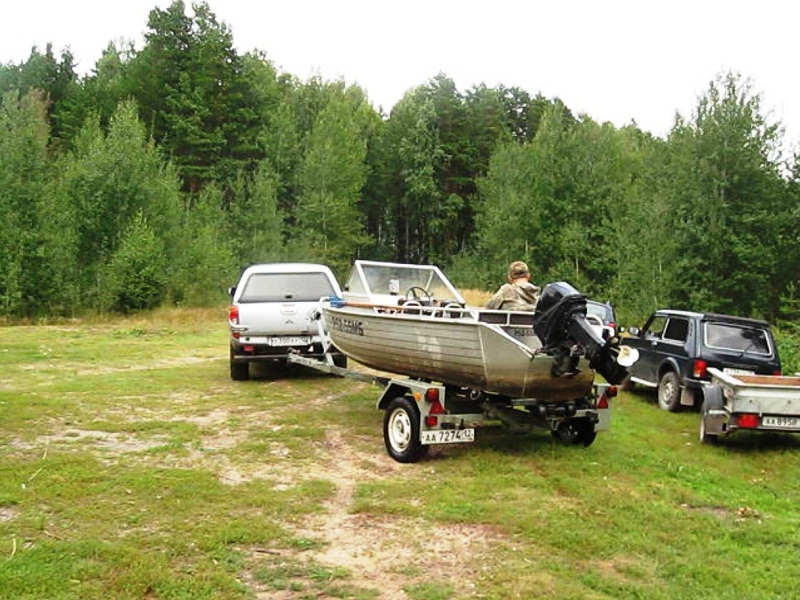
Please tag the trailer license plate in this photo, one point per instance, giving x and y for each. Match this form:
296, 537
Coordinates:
781, 422
448, 436
290, 341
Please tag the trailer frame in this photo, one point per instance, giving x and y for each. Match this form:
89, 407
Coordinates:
420, 413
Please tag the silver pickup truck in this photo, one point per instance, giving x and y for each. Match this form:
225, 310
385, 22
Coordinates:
272, 314
746, 401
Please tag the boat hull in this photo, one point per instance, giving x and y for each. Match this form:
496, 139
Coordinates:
462, 352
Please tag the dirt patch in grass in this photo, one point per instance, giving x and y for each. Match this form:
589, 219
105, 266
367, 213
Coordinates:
382, 553
7, 514
105, 443
378, 556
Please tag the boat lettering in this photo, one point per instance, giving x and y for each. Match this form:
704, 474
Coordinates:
347, 326
520, 332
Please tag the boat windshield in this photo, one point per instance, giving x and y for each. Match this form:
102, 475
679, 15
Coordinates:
379, 279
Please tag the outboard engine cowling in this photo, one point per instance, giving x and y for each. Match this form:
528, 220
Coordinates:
562, 327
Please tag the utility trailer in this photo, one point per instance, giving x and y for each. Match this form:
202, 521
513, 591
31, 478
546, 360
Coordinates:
744, 401
419, 413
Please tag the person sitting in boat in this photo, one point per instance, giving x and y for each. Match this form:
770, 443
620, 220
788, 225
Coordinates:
519, 293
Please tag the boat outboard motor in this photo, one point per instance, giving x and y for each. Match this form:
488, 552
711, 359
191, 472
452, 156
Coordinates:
562, 327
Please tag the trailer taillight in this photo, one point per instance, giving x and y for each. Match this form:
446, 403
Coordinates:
432, 396
699, 369
606, 393
747, 421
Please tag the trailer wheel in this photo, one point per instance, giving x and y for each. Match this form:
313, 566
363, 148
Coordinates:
669, 392
240, 371
712, 400
575, 431
401, 431
340, 360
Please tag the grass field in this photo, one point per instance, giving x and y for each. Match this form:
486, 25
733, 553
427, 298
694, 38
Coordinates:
134, 468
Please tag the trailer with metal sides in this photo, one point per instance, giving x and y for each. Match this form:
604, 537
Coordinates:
733, 401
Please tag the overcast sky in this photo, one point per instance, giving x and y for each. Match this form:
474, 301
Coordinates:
614, 60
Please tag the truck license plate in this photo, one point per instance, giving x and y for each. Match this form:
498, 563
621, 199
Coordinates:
290, 341
448, 436
781, 422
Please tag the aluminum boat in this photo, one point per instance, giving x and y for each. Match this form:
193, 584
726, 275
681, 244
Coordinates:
410, 320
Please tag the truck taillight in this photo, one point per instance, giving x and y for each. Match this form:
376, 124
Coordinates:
233, 314
699, 369
747, 421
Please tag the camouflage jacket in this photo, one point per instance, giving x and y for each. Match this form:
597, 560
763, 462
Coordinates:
515, 296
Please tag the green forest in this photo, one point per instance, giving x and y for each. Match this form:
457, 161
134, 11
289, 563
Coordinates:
154, 179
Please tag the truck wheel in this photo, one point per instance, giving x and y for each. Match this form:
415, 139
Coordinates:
401, 431
669, 392
240, 371
575, 431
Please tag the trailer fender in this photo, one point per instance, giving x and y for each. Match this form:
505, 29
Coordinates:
408, 387
713, 413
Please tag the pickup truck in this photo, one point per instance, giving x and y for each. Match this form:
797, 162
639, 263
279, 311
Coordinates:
677, 348
754, 402
273, 314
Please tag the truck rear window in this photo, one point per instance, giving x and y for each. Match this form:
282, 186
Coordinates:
283, 287
737, 338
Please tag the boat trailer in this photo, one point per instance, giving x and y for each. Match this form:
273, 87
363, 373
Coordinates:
418, 413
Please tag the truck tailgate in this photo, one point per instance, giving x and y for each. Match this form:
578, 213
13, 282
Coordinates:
276, 318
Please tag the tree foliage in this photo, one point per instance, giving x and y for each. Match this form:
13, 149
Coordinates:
156, 176
23, 177
331, 176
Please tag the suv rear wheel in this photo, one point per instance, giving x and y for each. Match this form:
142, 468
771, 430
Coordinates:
669, 392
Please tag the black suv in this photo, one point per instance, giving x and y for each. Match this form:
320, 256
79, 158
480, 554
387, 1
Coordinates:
677, 347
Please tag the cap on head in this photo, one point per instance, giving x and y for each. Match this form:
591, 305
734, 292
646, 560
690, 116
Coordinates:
518, 269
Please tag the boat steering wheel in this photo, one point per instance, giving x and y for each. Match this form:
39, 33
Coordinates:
419, 294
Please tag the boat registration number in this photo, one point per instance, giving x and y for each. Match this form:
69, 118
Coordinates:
290, 341
447, 436
781, 422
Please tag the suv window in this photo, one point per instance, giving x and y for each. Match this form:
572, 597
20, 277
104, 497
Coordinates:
656, 326
733, 337
677, 329
280, 287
